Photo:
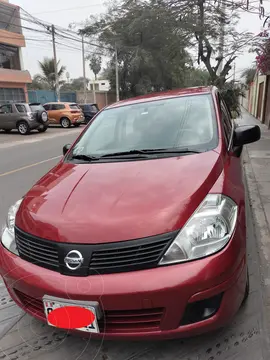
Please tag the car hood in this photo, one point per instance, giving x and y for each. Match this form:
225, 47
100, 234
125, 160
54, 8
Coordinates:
109, 202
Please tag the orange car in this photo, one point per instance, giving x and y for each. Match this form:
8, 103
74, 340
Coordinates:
65, 114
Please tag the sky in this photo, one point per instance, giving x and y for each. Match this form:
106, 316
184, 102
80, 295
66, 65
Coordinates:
64, 12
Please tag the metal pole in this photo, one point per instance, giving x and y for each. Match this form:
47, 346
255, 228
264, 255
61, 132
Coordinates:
116, 74
55, 66
222, 36
84, 72
234, 71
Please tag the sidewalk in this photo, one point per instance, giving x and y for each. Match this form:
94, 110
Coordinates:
256, 159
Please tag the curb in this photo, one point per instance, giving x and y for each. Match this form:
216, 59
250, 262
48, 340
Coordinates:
262, 239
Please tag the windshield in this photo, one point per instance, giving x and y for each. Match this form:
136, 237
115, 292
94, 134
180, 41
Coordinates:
187, 121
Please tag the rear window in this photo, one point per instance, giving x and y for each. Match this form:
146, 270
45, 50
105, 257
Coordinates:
94, 108
74, 107
58, 107
36, 107
21, 108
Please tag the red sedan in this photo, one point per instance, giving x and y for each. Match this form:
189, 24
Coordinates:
142, 223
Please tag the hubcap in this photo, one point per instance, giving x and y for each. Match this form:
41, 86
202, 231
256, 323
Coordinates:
22, 128
65, 123
44, 117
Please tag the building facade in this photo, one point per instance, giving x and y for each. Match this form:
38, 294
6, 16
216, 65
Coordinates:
100, 85
13, 77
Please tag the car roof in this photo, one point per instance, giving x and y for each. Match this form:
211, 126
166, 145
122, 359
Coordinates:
60, 102
164, 95
88, 104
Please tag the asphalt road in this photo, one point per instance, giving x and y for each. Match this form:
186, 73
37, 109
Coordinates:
25, 160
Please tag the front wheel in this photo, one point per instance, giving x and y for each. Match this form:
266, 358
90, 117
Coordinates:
65, 123
246, 290
23, 128
42, 129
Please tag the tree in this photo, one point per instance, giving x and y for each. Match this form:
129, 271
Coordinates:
38, 84
48, 73
151, 48
213, 27
249, 74
95, 64
75, 84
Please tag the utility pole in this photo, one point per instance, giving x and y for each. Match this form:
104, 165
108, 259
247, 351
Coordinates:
55, 66
222, 35
234, 72
116, 73
84, 74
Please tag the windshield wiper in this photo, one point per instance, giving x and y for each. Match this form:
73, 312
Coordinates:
152, 151
84, 157
129, 152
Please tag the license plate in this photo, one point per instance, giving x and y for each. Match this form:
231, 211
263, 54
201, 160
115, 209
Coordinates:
51, 303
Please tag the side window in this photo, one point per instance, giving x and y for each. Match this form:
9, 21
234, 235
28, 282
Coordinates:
21, 108
226, 121
6, 109
46, 107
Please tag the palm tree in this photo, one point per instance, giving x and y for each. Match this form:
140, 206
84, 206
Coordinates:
48, 74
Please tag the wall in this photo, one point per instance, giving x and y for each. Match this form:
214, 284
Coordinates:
255, 95
102, 98
45, 96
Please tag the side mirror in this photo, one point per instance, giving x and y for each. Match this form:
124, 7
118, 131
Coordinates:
246, 134
66, 148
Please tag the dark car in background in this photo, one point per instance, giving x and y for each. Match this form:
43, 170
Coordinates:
89, 111
23, 117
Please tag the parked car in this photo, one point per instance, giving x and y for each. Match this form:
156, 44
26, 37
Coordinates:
142, 223
65, 114
40, 113
23, 117
89, 111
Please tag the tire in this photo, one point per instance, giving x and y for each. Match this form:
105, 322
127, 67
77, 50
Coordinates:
23, 128
44, 116
77, 125
87, 119
65, 123
246, 291
42, 129
8, 131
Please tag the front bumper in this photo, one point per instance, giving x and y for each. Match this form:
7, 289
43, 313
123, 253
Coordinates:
149, 303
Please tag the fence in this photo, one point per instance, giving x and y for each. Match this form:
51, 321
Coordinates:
45, 96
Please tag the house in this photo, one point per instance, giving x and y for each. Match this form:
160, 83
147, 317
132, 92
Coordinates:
100, 85
13, 77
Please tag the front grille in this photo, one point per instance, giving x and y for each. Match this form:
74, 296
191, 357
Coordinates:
120, 321
37, 251
131, 321
128, 257
35, 306
131, 255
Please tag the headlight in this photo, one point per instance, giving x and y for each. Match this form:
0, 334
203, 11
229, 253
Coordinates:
207, 231
8, 236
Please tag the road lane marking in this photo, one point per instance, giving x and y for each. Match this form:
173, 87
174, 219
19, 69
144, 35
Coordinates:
29, 166
39, 138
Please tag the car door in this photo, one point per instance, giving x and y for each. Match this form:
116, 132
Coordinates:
7, 117
50, 108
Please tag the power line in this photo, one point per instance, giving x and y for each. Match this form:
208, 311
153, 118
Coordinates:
67, 9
